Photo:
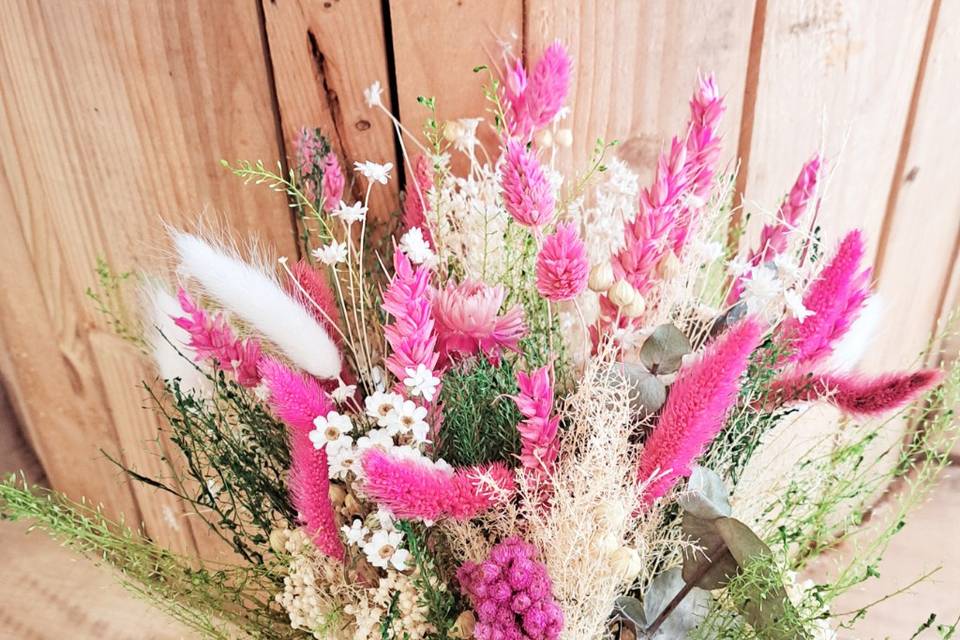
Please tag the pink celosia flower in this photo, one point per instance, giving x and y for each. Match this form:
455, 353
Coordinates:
316, 296
297, 399
562, 266
696, 409
774, 235
512, 594
469, 321
416, 204
538, 432
332, 182
532, 102
212, 338
411, 335
527, 194
413, 489
856, 394
835, 298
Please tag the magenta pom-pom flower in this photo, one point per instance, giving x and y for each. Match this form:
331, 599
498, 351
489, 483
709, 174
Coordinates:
527, 194
562, 266
468, 320
512, 594
856, 394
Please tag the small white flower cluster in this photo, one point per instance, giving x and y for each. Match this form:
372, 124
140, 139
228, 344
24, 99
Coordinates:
307, 605
416, 247
773, 287
381, 545
615, 197
410, 619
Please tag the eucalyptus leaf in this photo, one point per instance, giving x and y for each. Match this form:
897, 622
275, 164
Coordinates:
685, 617
706, 496
663, 350
647, 391
710, 565
629, 609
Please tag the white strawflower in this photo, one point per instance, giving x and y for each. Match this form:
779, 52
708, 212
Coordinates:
343, 459
330, 430
373, 171
383, 549
738, 266
381, 404
349, 214
416, 247
331, 254
376, 438
408, 418
421, 382
761, 289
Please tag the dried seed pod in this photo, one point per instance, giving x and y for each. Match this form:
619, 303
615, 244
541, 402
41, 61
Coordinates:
622, 293
601, 277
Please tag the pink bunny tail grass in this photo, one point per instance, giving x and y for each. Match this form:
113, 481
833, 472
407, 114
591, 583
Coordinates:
309, 487
562, 266
527, 194
212, 338
415, 489
696, 409
298, 399
294, 397
333, 182
415, 204
835, 298
538, 432
774, 236
856, 394
412, 335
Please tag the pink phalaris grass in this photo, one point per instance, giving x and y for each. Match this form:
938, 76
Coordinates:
835, 297
512, 594
414, 489
416, 204
212, 338
774, 235
298, 399
468, 320
562, 265
696, 409
538, 430
332, 182
856, 394
412, 335
527, 194
532, 101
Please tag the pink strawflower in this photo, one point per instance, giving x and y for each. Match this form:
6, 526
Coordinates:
856, 394
297, 399
332, 182
774, 235
414, 489
416, 204
696, 409
527, 194
512, 594
562, 265
538, 432
212, 338
532, 102
835, 298
412, 336
469, 321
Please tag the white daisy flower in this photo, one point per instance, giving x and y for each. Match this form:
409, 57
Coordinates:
381, 404
349, 214
408, 418
342, 460
356, 532
373, 171
331, 428
331, 254
416, 247
383, 549
421, 382
375, 438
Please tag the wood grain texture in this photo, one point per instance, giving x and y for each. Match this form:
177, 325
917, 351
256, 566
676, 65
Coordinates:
324, 55
114, 117
835, 75
636, 65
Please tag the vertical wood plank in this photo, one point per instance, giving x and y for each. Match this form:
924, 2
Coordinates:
836, 73
636, 66
922, 229
324, 55
114, 117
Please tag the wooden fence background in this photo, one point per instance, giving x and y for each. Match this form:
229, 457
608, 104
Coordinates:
114, 115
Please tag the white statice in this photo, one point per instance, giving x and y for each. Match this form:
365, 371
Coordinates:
762, 291
331, 431
331, 254
462, 134
372, 94
416, 247
421, 382
308, 605
614, 204
381, 404
350, 213
373, 171
383, 550
343, 392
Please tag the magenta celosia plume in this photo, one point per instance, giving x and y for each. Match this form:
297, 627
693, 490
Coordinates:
696, 408
412, 489
512, 594
856, 394
416, 204
532, 101
835, 297
412, 336
562, 265
298, 399
527, 194
774, 235
468, 320
332, 182
312, 290
538, 430
212, 338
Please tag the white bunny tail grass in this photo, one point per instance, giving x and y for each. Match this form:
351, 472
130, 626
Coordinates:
254, 294
168, 342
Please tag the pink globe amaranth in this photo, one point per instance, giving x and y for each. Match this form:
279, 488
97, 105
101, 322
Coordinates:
562, 265
468, 320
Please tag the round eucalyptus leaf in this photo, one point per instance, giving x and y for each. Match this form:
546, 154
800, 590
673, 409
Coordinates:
663, 350
706, 496
685, 617
630, 609
710, 565
647, 391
